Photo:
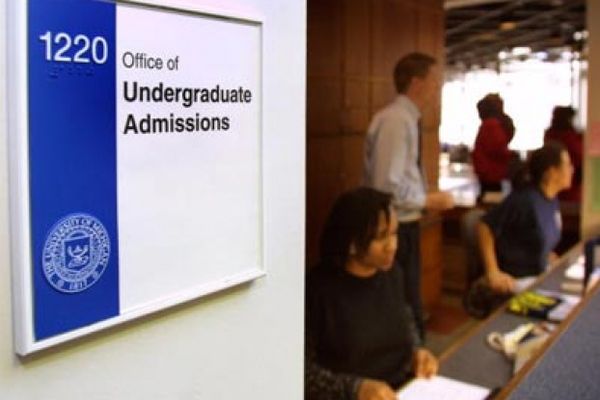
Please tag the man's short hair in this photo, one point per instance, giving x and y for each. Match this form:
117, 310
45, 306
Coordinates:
410, 66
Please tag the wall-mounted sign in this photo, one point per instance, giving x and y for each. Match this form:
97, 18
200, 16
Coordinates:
135, 147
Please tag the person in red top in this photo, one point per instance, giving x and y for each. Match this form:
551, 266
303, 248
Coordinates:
491, 156
562, 130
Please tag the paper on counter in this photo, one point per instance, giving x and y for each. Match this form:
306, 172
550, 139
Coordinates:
441, 388
523, 283
563, 309
575, 271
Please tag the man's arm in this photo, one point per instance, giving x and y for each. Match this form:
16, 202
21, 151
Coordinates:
439, 201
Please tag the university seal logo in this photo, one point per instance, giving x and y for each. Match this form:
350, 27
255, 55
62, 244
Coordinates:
76, 253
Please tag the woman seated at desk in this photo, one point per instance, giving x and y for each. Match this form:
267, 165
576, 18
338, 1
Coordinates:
517, 237
361, 338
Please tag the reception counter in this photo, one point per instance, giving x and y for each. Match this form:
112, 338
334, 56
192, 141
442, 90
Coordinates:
566, 367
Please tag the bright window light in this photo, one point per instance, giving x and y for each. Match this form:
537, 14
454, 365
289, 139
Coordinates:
530, 90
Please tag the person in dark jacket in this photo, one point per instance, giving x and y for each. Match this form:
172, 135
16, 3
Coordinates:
361, 338
491, 156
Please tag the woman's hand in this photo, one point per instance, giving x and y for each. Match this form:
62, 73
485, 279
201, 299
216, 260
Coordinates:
501, 282
371, 389
425, 363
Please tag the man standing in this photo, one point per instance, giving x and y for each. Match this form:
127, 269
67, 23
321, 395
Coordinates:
393, 164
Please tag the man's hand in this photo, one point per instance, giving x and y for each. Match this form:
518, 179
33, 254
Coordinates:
425, 363
371, 389
439, 201
501, 282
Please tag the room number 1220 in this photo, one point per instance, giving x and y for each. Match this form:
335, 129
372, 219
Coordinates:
62, 47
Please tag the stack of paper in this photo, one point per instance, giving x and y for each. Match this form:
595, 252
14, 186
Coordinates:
441, 388
575, 274
562, 311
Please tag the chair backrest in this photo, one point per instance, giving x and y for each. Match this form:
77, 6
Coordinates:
469, 236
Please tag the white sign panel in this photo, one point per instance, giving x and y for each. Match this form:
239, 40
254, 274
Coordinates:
136, 178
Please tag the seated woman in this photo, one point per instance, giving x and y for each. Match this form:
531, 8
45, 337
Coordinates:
517, 237
361, 339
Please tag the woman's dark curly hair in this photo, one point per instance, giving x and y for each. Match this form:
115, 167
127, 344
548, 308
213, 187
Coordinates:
353, 220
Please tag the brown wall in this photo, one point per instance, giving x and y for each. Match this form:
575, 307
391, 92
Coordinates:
590, 217
353, 46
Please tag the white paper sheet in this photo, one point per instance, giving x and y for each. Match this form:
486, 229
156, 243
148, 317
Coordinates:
575, 270
523, 283
441, 388
562, 310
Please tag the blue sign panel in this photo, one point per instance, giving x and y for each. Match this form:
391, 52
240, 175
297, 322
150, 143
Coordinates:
72, 164
128, 159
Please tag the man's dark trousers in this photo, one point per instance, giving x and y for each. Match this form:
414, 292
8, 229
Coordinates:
408, 257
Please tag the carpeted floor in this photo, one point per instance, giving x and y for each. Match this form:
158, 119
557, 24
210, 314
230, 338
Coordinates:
447, 323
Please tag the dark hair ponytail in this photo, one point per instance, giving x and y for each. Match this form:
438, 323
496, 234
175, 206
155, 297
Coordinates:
540, 160
518, 173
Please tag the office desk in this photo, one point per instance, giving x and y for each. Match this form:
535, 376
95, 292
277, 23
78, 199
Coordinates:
570, 366
472, 360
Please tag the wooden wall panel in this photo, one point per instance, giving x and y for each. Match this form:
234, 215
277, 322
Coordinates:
590, 217
382, 91
324, 160
353, 46
394, 34
356, 33
355, 110
324, 106
356, 93
352, 161
324, 38
430, 38
431, 151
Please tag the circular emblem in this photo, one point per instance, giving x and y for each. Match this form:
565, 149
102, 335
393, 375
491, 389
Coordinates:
76, 253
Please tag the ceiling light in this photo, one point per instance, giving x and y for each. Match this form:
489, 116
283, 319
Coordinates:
579, 36
566, 55
521, 51
507, 25
487, 37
